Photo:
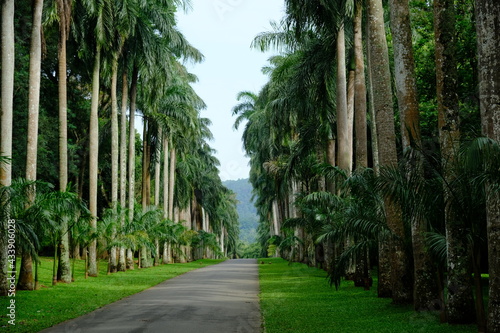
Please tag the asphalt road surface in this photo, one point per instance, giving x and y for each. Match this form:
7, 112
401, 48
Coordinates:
220, 298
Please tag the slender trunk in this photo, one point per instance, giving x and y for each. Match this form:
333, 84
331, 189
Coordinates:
384, 262
131, 158
64, 13
171, 181
460, 303
34, 90
25, 275
166, 246
123, 165
362, 274
7, 95
158, 170
401, 279
488, 40
165, 178
146, 181
93, 160
371, 108
131, 145
342, 119
63, 8
146, 166
350, 114
157, 194
425, 287
114, 156
360, 93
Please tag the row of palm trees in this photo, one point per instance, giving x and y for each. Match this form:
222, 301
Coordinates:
327, 113
103, 45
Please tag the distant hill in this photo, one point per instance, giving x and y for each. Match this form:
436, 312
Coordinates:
246, 210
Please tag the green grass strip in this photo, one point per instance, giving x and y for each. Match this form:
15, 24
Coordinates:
297, 298
36, 310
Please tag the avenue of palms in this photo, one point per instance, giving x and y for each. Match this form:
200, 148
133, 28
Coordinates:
393, 181
374, 146
95, 56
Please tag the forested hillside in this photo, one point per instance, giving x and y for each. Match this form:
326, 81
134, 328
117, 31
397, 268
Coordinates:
246, 210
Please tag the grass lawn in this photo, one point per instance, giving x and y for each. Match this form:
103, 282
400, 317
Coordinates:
36, 310
297, 298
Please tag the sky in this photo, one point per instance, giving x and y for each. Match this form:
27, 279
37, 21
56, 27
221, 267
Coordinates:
223, 31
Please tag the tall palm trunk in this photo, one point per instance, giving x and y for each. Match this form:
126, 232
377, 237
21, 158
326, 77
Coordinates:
165, 177
363, 276
131, 157
123, 164
344, 149
384, 266
460, 303
64, 13
146, 184
146, 166
114, 153
171, 182
360, 92
34, 90
7, 96
25, 281
401, 279
158, 169
488, 41
93, 160
157, 193
425, 288
371, 108
166, 245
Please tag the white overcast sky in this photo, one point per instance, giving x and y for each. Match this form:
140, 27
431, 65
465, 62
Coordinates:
223, 30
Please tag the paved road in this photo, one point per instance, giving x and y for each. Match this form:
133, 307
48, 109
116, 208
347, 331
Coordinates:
221, 298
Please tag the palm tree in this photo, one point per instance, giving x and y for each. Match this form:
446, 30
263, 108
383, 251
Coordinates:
400, 281
93, 155
63, 13
124, 18
487, 15
33, 109
425, 288
460, 305
62, 210
154, 38
131, 158
7, 96
122, 266
98, 15
21, 201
